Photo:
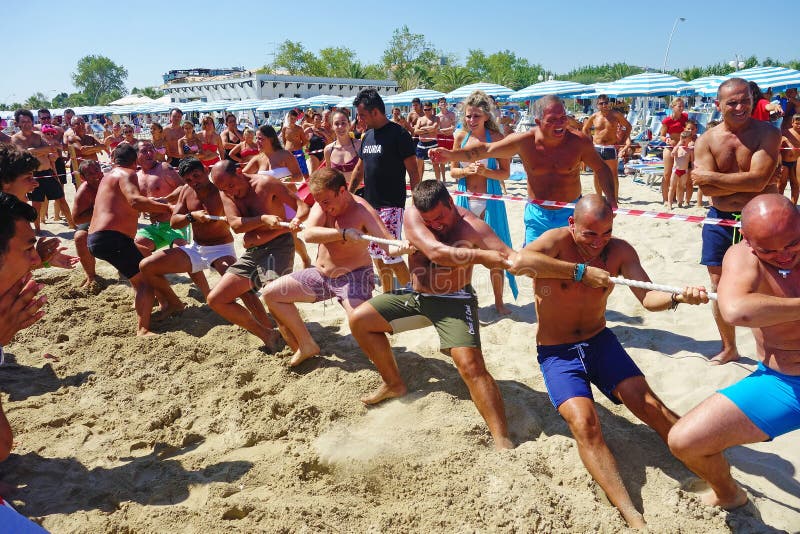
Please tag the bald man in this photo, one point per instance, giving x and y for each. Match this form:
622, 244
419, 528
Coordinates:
571, 267
758, 288
733, 162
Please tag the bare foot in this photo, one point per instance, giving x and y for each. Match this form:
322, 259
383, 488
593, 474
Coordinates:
169, 311
303, 354
144, 332
634, 519
711, 499
384, 392
724, 357
288, 337
272, 341
501, 309
87, 282
504, 443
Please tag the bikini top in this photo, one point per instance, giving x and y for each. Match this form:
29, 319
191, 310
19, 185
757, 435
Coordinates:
350, 165
209, 146
245, 152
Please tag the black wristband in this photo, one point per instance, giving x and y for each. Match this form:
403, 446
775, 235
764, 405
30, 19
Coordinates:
674, 305
344, 231
189, 217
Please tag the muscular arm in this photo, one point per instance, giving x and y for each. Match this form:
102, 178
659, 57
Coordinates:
632, 269
315, 229
504, 148
238, 223
762, 166
129, 186
538, 259
413, 171
436, 251
587, 126
178, 219
739, 301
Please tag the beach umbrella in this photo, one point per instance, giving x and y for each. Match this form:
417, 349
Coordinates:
491, 89
777, 78
595, 89
405, 98
648, 84
131, 99
707, 85
319, 101
346, 102
550, 87
279, 104
216, 105
245, 105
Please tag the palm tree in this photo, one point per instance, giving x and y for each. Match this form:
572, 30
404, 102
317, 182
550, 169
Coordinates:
449, 77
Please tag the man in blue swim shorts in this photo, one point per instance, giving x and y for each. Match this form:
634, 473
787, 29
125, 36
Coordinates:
572, 267
758, 288
552, 155
733, 162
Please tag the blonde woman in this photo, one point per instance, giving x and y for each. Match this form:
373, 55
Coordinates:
484, 177
246, 150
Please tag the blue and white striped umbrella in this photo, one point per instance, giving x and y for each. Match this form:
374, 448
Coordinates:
346, 102
595, 90
319, 101
405, 98
648, 84
245, 105
777, 78
280, 104
216, 105
491, 89
550, 87
707, 85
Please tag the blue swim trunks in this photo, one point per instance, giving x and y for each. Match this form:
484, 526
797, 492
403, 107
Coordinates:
568, 369
718, 239
539, 219
771, 400
300, 156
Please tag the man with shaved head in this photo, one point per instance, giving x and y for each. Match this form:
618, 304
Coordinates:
552, 155
571, 268
758, 288
733, 162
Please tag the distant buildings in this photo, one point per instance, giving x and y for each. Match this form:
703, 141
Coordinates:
209, 85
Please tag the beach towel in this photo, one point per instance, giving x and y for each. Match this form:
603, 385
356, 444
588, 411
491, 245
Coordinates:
495, 216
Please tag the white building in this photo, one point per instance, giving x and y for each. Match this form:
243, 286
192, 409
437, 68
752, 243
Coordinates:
248, 85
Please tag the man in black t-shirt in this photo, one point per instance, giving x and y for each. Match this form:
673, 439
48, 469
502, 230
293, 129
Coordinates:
386, 154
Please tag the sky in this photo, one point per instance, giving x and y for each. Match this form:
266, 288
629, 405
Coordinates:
149, 38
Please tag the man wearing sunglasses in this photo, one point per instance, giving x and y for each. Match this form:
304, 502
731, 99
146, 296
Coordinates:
605, 126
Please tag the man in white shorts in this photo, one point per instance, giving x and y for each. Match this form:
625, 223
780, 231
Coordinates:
200, 205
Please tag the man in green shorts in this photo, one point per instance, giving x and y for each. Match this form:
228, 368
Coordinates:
449, 241
158, 181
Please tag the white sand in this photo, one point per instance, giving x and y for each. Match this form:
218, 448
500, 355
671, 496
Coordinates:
197, 430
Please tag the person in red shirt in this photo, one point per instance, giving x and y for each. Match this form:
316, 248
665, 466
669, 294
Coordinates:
671, 127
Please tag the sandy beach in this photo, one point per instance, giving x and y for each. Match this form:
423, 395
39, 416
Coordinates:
197, 430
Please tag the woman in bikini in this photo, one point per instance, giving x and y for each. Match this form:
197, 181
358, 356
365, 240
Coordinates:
159, 141
342, 153
246, 150
115, 138
671, 127
273, 158
484, 177
318, 136
231, 136
189, 144
211, 150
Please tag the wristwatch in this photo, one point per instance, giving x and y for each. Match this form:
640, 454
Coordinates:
189, 217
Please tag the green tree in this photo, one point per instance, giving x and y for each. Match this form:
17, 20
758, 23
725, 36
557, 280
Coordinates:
98, 75
293, 57
410, 59
37, 101
336, 61
105, 98
149, 92
452, 77
503, 67
61, 100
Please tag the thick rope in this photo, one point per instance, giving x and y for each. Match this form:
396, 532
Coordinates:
648, 285
365, 237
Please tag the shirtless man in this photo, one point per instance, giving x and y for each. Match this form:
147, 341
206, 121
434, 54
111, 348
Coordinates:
254, 205
160, 181
49, 187
414, 115
449, 240
294, 139
127, 135
425, 130
116, 214
552, 155
397, 117
212, 244
572, 268
172, 134
759, 288
609, 126
81, 145
790, 152
343, 268
733, 162
82, 208
447, 127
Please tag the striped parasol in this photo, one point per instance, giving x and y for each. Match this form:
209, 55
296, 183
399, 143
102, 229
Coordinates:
707, 85
405, 98
279, 104
245, 105
319, 101
776, 78
491, 89
550, 87
648, 84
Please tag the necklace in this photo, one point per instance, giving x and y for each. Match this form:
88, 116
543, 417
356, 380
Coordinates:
784, 272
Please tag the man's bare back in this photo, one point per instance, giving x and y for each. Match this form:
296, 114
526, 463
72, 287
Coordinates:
261, 198
112, 211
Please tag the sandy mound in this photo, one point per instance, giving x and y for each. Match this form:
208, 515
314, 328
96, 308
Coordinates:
197, 430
